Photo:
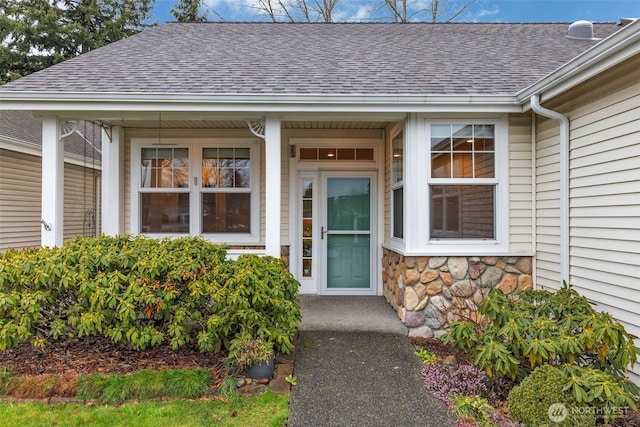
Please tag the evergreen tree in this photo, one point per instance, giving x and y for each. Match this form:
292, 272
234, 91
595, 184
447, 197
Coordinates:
190, 11
35, 34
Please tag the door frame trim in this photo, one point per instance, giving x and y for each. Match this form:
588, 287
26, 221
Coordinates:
298, 170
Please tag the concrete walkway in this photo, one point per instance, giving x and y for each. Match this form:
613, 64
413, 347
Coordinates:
355, 367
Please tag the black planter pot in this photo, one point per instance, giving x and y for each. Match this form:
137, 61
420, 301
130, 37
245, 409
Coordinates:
261, 370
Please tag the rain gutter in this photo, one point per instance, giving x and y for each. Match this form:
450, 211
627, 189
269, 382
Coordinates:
564, 181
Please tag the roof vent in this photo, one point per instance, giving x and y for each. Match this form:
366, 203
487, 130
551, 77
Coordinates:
582, 30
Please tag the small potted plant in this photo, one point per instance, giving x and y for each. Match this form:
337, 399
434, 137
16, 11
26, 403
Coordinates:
256, 356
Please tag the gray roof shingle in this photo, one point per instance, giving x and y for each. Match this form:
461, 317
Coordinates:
23, 126
351, 59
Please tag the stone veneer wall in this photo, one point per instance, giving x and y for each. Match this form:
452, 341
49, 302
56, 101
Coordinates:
429, 293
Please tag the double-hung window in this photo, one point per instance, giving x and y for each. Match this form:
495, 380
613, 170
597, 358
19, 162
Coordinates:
226, 190
164, 190
463, 181
196, 187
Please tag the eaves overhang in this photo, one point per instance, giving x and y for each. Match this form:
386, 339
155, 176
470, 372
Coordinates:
61, 102
611, 51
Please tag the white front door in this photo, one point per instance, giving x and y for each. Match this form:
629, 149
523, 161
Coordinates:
338, 240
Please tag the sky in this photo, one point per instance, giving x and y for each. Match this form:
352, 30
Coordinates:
480, 10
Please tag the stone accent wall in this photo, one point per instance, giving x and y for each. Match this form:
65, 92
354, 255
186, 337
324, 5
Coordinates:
429, 293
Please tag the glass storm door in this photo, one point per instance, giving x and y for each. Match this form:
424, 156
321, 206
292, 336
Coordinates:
346, 236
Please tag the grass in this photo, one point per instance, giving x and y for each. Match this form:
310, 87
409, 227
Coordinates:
265, 410
145, 384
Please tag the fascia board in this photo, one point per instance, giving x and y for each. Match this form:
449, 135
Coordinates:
618, 47
154, 102
20, 146
29, 148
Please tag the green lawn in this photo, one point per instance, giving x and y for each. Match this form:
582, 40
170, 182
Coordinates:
268, 409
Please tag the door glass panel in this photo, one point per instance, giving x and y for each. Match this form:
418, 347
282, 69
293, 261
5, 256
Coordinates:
307, 227
348, 257
349, 227
348, 203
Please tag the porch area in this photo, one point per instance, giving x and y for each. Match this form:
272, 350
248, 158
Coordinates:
349, 314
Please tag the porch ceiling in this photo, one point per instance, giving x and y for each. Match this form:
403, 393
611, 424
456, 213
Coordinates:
240, 124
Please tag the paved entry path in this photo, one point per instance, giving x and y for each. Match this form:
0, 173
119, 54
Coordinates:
364, 376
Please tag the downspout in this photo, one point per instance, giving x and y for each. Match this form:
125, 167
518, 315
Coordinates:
564, 181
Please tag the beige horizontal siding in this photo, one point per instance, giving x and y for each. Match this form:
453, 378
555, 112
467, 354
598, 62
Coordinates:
520, 183
604, 113
547, 204
80, 204
20, 200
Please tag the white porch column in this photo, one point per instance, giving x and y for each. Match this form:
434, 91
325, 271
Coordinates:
416, 206
52, 233
112, 181
273, 185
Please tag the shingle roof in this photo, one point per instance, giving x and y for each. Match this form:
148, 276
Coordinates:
264, 58
23, 126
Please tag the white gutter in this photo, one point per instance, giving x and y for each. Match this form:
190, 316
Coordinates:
182, 102
564, 181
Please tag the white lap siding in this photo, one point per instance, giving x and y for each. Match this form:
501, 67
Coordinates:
604, 194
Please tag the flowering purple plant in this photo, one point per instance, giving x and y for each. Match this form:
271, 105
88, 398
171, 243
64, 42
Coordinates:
444, 381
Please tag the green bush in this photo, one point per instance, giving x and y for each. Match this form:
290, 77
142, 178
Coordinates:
560, 328
145, 292
529, 402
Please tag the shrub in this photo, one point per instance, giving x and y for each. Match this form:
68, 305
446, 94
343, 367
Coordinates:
463, 380
531, 400
475, 411
560, 329
145, 292
426, 357
258, 300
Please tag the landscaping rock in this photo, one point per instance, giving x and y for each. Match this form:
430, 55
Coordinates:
279, 385
422, 332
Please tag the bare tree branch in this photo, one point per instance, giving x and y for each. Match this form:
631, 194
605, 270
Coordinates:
298, 10
464, 7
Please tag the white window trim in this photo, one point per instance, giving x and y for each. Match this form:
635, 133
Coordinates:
416, 162
195, 146
396, 185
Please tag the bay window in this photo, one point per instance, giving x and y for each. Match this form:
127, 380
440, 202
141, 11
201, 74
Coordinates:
397, 184
462, 181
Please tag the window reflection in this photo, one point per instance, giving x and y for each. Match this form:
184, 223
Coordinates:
226, 212
226, 168
462, 151
164, 212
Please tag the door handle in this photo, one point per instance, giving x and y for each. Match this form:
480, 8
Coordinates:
322, 232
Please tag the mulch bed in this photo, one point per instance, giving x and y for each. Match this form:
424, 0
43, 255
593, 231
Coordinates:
99, 355
440, 349
95, 354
